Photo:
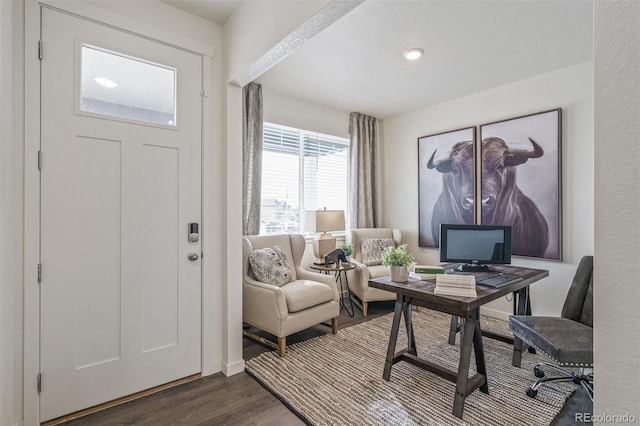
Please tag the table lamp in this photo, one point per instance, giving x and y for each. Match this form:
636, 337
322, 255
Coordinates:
324, 221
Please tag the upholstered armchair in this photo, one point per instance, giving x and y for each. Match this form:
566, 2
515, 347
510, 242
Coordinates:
281, 309
368, 263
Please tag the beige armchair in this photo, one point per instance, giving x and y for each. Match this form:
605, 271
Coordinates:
360, 285
310, 299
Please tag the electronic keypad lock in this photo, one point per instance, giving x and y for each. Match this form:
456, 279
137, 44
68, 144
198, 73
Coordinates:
194, 233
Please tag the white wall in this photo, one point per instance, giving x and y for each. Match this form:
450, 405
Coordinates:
11, 183
569, 89
304, 115
617, 198
257, 26
161, 15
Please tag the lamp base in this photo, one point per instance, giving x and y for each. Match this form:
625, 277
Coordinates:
323, 244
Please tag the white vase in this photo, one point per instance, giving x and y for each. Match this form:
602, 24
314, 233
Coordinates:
399, 274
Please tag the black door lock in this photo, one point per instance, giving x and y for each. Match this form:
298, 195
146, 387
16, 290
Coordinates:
194, 233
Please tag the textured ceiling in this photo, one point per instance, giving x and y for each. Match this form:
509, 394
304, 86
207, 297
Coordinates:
470, 46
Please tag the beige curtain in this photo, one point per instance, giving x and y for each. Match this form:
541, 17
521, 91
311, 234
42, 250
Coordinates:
363, 173
251, 157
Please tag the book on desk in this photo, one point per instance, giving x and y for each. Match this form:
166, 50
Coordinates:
456, 285
427, 272
453, 283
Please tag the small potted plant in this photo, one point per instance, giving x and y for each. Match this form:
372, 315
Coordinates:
347, 248
398, 258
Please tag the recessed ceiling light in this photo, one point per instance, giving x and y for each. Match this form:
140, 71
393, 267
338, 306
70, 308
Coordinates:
106, 82
413, 54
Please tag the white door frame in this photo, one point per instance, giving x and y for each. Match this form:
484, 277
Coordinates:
212, 327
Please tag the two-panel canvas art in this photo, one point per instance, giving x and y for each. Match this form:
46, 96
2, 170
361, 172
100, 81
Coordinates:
501, 173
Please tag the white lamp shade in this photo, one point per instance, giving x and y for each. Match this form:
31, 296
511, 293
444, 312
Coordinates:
324, 220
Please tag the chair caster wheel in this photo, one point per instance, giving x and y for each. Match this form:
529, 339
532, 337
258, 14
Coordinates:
538, 373
532, 393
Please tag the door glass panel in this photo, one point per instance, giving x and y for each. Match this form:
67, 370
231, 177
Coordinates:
122, 86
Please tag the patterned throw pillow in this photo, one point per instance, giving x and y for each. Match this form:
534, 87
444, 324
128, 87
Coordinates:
372, 248
270, 266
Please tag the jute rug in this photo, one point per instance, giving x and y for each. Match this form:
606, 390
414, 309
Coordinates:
337, 379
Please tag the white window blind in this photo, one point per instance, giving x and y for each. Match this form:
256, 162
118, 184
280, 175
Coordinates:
301, 170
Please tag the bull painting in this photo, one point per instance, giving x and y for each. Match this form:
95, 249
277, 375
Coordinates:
503, 203
518, 162
456, 201
520, 170
445, 169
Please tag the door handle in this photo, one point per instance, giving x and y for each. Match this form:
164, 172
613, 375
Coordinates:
193, 256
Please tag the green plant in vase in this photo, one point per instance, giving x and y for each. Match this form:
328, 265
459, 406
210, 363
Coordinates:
398, 259
347, 248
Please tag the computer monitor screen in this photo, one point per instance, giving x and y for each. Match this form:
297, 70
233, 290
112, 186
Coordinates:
475, 246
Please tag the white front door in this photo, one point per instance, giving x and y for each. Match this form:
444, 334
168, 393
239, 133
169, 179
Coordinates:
120, 184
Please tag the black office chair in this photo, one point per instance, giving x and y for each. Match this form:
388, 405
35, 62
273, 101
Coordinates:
567, 340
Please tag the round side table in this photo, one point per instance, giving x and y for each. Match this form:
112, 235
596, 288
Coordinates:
340, 270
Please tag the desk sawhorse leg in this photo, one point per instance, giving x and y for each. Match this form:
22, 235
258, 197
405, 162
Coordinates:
521, 306
471, 338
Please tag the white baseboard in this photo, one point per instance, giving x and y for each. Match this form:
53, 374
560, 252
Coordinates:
233, 368
209, 368
495, 313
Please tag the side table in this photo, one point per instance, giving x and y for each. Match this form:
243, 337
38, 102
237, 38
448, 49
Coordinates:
340, 270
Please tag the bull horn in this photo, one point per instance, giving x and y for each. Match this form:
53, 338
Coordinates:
519, 156
442, 167
537, 150
430, 164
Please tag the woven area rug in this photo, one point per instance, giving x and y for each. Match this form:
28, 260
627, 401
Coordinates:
337, 379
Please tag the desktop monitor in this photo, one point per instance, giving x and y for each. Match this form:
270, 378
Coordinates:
475, 246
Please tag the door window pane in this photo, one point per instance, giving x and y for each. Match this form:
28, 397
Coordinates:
126, 87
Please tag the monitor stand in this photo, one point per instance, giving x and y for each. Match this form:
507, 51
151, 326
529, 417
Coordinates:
473, 267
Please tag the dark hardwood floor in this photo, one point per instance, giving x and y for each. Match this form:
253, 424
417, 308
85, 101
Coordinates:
240, 400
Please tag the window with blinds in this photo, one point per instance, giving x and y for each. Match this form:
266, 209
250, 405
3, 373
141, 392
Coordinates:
301, 170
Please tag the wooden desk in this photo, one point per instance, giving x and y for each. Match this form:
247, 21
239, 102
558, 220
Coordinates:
421, 293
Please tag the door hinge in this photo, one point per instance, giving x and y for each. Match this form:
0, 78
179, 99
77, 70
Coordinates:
39, 382
39, 272
39, 160
203, 93
40, 49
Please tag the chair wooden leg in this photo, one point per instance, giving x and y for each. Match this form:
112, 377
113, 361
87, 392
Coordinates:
364, 308
282, 344
358, 303
334, 325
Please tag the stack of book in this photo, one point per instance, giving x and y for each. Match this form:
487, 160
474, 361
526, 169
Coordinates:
426, 272
456, 285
